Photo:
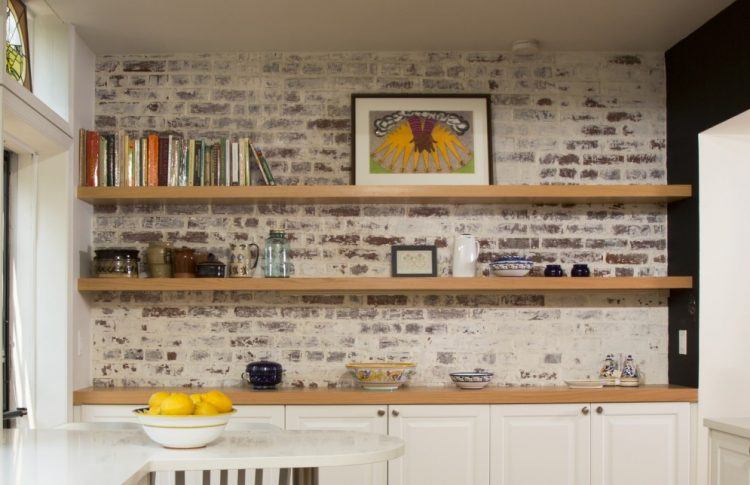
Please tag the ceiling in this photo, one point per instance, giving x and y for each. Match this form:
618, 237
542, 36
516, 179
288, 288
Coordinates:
157, 26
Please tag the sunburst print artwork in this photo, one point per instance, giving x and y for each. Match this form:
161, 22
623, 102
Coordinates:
420, 142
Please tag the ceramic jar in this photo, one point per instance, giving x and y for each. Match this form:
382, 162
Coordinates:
465, 255
554, 271
263, 374
243, 260
183, 263
580, 271
159, 257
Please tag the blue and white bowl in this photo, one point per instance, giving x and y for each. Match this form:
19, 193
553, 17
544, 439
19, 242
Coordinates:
471, 380
511, 266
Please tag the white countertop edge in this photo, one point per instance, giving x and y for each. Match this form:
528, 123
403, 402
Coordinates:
735, 426
188, 461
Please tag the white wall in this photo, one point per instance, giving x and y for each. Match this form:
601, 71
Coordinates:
82, 116
724, 276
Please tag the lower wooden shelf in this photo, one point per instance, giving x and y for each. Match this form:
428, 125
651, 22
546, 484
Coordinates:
372, 285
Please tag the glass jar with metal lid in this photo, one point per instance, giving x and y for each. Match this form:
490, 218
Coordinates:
276, 262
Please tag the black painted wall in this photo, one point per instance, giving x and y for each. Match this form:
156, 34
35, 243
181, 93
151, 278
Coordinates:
708, 81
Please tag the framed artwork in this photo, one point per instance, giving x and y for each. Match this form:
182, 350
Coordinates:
413, 261
421, 139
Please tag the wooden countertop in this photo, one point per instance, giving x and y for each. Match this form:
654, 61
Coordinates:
407, 395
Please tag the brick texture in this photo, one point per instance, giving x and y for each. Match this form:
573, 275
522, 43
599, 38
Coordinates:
558, 118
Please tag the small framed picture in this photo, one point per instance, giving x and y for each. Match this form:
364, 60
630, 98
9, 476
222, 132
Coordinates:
421, 139
413, 261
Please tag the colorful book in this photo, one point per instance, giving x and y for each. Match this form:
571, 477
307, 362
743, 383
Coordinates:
152, 160
259, 164
266, 168
92, 158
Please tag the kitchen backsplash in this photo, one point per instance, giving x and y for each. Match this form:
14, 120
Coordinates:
558, 118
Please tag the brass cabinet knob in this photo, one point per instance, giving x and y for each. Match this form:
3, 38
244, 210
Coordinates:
599, 410
381, 412
395, 412
585, 410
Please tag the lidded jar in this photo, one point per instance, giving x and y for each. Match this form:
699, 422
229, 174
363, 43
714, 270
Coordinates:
276, 262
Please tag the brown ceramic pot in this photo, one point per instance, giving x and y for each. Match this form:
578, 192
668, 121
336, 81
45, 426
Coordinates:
183, 263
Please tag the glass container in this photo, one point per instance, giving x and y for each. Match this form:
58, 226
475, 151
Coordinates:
116, 263
276, 262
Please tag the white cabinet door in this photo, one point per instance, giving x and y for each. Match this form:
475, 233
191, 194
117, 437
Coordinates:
643, 444
257, 414
445, 444
370, 419
540, 444
730, 459
109, 413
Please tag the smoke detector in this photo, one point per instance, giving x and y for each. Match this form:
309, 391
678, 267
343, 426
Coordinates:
525, 47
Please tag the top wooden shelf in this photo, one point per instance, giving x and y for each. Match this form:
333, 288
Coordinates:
379, 194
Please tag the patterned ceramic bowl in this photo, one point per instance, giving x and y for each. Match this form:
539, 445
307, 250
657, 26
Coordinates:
511, 267
471, 380
381, 376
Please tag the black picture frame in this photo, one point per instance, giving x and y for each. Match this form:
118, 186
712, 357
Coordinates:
488, 113
432, 249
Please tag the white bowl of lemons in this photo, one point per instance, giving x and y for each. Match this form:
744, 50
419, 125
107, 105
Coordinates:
179, 420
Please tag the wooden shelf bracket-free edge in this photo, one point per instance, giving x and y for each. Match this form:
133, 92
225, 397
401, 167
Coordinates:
373, 285
377, 194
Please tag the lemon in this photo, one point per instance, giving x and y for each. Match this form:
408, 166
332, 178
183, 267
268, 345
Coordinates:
205, 409
156, 398
219, 400
196, 398
177, 404
154, 410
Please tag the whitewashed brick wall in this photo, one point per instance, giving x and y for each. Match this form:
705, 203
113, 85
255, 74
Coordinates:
558, 118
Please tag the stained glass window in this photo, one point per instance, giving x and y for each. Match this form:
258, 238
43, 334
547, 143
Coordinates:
17, 56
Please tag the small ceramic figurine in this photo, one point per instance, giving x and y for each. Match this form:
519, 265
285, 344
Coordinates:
609, 370
629, 368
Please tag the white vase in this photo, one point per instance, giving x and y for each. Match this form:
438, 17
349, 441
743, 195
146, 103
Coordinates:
465, 255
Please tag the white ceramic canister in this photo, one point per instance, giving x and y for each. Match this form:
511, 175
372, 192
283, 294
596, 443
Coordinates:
465, 255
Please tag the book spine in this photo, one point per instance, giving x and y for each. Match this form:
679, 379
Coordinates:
266, 168
200, 162
259, 164
235, 163
191, 164
227, 163
241, 161
184, 163
131, 162
153, 160
103, 168
82, 157
92, 159
116, 165
170, 160
163, 161
144, 162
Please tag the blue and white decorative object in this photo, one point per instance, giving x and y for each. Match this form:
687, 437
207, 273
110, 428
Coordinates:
610, 371
471, 380
511, 266
629, 377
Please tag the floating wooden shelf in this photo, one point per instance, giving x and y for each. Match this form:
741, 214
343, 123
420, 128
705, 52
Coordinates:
386, 285
376, 194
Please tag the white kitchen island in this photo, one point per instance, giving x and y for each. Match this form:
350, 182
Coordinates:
65, 457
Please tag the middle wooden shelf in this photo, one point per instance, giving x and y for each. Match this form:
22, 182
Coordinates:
373, 285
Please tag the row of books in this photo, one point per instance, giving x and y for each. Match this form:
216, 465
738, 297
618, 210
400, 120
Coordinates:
118, 160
